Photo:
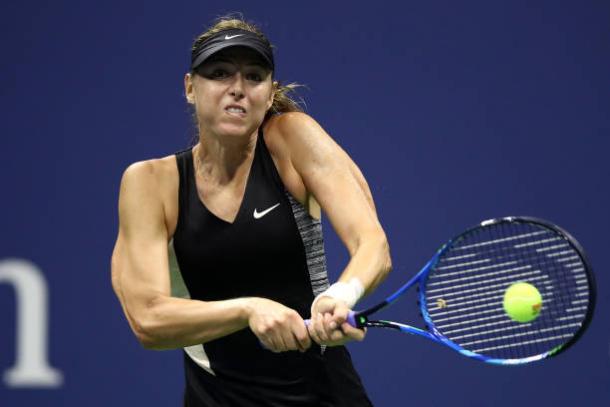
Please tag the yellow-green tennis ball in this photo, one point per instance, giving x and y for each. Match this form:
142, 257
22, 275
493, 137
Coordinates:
522, 302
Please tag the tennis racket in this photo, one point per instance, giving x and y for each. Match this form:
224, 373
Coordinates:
461, 291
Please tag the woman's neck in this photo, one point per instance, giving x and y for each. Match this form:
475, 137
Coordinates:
222, 159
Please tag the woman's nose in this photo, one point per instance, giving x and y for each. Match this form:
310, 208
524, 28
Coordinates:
237, 87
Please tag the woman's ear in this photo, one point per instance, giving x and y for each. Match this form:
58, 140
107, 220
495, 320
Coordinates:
274, 87
188, 89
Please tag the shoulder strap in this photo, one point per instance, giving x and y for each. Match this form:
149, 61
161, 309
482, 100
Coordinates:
184, 161
267, 161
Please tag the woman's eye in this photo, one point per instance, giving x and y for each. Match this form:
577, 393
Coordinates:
219, 73
256, 77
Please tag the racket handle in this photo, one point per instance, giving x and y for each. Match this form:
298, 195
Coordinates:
351, 319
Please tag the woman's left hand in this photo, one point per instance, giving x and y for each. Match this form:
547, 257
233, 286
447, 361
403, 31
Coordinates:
328, 325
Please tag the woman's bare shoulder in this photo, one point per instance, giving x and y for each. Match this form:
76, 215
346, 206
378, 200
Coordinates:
285, 124
151, 181
155, 171
150, 187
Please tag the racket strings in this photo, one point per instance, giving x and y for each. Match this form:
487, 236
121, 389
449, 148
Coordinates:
466, 288
535, 339
490, 335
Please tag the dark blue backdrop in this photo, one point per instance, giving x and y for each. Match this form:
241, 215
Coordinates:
455, 111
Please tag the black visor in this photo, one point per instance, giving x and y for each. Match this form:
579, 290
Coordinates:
232, 38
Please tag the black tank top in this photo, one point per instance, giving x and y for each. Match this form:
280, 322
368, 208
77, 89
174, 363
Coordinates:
273, 249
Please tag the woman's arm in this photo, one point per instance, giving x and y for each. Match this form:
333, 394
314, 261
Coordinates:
140, 278
338, 185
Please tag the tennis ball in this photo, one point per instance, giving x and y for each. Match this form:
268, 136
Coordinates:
522, 302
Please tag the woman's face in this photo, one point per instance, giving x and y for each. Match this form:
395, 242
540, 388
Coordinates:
231, 92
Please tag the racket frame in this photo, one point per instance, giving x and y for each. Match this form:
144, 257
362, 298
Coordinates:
360, 319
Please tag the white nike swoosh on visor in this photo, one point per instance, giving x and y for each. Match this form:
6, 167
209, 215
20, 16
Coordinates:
258, 215
228, 37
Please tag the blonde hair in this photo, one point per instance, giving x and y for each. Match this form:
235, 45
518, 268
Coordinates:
282, 99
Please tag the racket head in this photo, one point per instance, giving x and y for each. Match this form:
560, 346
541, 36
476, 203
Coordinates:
461, 293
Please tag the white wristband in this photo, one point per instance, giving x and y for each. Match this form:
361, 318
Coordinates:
349, 292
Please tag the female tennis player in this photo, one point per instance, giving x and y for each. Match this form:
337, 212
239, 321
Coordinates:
241, 212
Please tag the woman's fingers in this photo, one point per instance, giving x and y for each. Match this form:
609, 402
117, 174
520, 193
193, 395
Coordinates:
356, 334
279, 328
301, 336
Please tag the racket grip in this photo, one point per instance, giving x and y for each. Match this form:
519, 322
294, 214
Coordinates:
351, 319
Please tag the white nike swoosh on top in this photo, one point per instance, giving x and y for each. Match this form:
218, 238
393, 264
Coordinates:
258, 215
228, 37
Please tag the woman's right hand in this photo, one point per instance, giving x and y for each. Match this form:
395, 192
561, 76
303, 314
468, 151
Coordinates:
278, 327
